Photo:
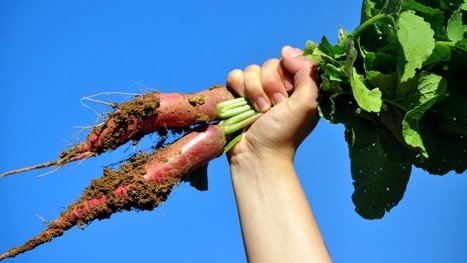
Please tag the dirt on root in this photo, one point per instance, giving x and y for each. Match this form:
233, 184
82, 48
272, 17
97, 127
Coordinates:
100, 201
118, 123
143, 107
141, 194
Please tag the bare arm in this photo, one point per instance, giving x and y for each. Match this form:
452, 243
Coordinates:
277, 221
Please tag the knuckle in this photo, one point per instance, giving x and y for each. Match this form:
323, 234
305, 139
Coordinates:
235, 75
252, 68
271, 62
269, 79
253, 87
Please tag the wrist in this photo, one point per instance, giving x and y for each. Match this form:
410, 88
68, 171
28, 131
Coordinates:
245, 161
249, 170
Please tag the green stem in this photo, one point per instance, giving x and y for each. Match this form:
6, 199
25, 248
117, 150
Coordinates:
235, 116
233, 112
233, 105
240, 123
226, 103
356, 34
446, 43
238, 118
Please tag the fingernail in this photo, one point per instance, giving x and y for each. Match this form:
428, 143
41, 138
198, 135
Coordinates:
291, 52
278, 97
262, 104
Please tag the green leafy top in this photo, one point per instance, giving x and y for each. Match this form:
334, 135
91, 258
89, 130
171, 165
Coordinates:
396, 84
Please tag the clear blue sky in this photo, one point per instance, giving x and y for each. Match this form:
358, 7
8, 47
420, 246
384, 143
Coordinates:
52, 53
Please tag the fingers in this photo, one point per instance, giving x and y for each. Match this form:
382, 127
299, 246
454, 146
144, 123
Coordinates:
272, 83
293, 60
272, 80
264, 86
235, 81
254, 88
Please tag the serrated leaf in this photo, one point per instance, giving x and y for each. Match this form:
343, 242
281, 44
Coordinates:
369, 100
434, 16
454, 29
416, 39
430, 89
380, 169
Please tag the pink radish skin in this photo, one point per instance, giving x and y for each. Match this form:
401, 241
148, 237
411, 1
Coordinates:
174, 110
142, 183
144, 115
191, 152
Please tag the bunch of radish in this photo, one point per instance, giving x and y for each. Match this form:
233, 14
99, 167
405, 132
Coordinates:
396, 82
213, 117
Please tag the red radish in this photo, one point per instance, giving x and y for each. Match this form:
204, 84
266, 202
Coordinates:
144, 115
141, 184
145, 181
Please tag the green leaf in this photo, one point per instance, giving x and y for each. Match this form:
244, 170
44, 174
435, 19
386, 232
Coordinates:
451, 115
336, 108
334, 73
463, 6
371, 8
309, 47
369, 100
447, 151
391, 117
434, 16
450, 5
379, 166
351, 55
386, 83
454, 29
416, 39
445, 134
441, 53
430, 89
380, 61
330, 50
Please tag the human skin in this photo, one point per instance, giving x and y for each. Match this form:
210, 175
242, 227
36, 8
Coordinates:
276, 219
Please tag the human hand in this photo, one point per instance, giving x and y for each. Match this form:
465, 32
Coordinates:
290, 86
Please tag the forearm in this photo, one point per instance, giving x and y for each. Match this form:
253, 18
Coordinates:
276, 219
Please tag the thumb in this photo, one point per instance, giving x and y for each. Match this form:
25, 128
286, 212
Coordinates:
304, 70
293, 59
